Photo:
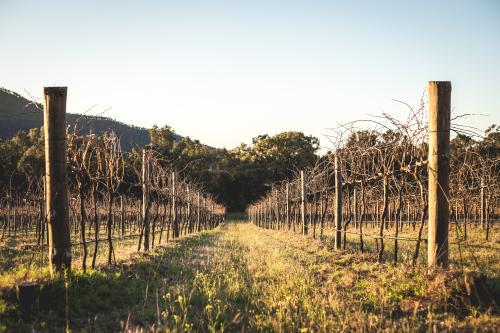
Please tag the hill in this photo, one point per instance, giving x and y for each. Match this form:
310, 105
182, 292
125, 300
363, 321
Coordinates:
18, 113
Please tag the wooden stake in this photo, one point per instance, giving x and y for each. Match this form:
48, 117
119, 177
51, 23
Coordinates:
122, 215
288, 205
338, 204
56, 179
439, 166
145, 199
189, 226
483, 204
303, 202
175, 222
198, 210
355, 204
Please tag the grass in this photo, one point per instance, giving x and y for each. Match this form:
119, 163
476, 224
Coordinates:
243, 278
475, 253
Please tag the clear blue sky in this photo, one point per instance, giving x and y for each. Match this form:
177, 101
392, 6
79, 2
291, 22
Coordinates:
226, 71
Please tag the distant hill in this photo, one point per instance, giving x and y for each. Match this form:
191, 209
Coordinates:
18, 113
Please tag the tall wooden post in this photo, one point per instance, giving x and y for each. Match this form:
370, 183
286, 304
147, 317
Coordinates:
145, 198
189, 219
212, 216
198, 210
407, 214
174, 210
303, 202
439, 167
278, 222
56, 179
263, 214
355, 203
487, 217
207, 213
483, 204
338, 204
122, 215
270, 213
288, 222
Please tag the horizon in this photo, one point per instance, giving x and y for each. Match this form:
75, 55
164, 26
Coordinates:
225, 73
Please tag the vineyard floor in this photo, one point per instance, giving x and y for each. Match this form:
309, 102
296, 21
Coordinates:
240, 278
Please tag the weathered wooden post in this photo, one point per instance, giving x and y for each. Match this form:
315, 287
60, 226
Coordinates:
483, 203
269, 213
303, 202
198, 211
27, 294
188, 212
138, 224
122, 215
407, 214
439, 166
145, 198
9, 197
263, 213
174, 209
288, 221
258, 215
56, 179
487, 217
213, 216
205, 213
355, 203
338, 204
278, 222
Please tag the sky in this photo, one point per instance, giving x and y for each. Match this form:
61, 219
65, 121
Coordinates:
224, 72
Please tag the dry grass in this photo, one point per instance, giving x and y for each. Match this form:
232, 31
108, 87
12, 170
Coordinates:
243, 278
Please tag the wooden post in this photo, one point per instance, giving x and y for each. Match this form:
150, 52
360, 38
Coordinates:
303, 202
278, 222
189, 223
439, 166
407, 214
288, 205
269, 213
56, 178
198, 211
338, 204
263, 213
355, 203
122, 215
205, 209
27, 294
9, 197
212, 216
174, 212
487, 218
145, 198
483, 204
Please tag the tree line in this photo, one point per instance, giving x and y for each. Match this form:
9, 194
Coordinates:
235, 177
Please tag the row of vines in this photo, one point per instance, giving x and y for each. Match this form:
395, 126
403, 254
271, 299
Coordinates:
383, 177
109, 206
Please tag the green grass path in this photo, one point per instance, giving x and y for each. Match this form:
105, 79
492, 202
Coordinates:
239, 278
